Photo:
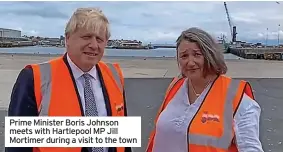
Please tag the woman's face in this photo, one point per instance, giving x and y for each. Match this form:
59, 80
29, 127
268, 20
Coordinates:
191, 60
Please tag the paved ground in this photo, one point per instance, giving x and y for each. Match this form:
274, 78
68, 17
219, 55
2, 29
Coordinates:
147, 100
138, 67
267, 91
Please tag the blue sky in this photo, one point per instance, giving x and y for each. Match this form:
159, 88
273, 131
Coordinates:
157, 22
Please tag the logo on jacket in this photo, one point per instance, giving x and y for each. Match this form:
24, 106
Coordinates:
119, 107
209, 117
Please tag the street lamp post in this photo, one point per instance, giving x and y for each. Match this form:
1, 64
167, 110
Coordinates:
266, 37
278, 35
278, 28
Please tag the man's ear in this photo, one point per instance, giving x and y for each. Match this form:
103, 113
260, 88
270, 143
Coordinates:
106, 41
67, 37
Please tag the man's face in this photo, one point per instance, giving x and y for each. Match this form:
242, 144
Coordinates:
86, 48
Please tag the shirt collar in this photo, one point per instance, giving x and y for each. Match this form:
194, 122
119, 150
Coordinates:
77, 72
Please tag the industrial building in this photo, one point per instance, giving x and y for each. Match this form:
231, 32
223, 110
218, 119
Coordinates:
10, 33
13, 38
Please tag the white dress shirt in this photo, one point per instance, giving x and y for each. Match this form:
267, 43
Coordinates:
172, 124
96, 87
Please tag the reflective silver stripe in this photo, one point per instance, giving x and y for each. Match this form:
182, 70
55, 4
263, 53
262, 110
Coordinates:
171, 85
45, 81
175, 80
116, 75
225, 141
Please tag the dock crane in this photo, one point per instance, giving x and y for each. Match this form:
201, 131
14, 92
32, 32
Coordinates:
232, 28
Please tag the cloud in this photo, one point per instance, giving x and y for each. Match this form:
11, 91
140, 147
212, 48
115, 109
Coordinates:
36, 9
149, 21
248, 17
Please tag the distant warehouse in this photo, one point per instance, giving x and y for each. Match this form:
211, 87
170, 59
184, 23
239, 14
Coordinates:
10, 33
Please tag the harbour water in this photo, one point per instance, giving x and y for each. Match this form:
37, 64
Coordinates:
108, 52
160, 52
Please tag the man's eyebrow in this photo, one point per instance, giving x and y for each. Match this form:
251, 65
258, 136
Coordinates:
197, 50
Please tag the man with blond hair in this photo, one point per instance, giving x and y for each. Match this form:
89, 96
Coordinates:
75, 84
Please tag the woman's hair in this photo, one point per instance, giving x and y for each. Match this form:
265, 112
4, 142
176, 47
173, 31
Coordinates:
89, 18
214, 59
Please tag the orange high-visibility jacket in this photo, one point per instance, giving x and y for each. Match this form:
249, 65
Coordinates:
57, 95
222, 100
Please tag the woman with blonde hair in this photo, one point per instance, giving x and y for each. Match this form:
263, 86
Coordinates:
204, 110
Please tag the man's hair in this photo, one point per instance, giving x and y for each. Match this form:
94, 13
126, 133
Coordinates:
89, 18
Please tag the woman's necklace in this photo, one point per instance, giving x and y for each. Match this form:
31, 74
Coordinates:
195, 90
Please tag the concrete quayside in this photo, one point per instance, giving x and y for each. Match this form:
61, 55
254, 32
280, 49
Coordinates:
258, 53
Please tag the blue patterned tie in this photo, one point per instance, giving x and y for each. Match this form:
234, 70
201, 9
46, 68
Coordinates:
90, 104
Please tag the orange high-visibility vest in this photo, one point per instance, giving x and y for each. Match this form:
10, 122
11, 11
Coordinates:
214, 134
56, 93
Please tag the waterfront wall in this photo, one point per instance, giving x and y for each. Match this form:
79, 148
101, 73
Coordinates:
16, 44
258, 53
